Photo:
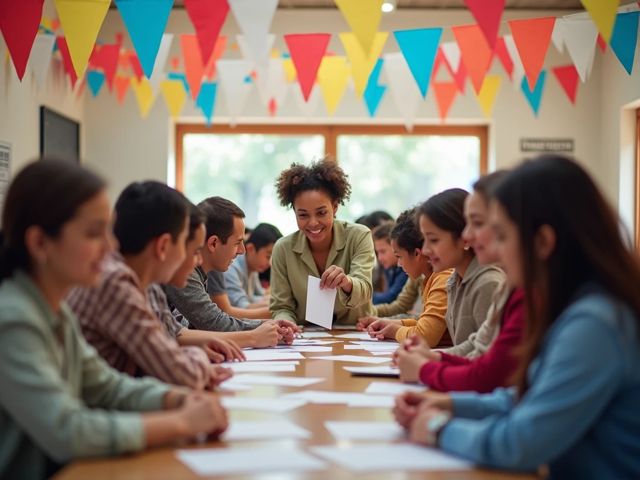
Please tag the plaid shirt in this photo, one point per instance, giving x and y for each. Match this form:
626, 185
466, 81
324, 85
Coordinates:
117, 319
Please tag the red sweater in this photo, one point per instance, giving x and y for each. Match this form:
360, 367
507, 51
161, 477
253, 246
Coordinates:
488, 371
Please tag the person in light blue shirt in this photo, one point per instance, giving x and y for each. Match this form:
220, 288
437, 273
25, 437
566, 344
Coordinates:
575, 404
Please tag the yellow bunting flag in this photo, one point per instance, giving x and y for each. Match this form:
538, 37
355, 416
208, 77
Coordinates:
174, 96
488, 93
362, 63
81, 21
144, 95
289, 70
363, 16
333, 77
603, 13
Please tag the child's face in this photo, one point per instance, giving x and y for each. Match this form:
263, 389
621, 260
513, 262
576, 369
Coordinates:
384, 253
440, 247
507, 244
259, 260
478, 232
413, 263
192, 260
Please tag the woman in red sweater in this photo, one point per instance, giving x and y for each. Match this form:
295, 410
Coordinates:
493, 368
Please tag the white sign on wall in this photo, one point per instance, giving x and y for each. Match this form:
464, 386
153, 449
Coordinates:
5, 169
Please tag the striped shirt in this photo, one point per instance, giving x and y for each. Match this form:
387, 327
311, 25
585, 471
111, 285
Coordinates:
117, 319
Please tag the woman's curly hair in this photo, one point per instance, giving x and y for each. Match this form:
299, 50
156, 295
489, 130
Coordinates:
323, 175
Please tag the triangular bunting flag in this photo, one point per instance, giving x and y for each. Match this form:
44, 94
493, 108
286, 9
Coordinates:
193, 68
419, 48
218, 51
363, 16
259, 59
19, 26
181, 77
475, 52
580, 36
122, 85
361, 63
624, 38
374, 92
333, 78
207, 99
61, 42
503, 55
518, 69
451, 51
488, 94
157, 75
108, 60
145, 21
254, 18
557, 36
95, 79
488, 14
207, 17
404, 90
174, 96
231, 80
144, 96
568, 78
603, 13
534, 96
81, 21
445, 93
40, 57
306, 52
532, 37
289, 69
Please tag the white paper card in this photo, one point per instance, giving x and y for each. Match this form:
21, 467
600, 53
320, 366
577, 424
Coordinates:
221, 461
374, 401
357, 336
381, 431
265, 363
261, 404
316, 335
234, 387
391, 388
324, 397
264, 430
272, 354
248, 379
252, 367
382, 371
320, 303
375, 458
312, 348
353, 358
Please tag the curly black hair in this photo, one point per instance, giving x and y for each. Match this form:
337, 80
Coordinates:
323, 175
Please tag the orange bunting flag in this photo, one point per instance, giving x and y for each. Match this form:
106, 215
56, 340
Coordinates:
445, 95
532, 38
488, 14
475, 52
218, 51
567, 76
207, 17
193, 67
122, 86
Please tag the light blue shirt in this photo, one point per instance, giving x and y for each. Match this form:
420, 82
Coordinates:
242, 287
581, 414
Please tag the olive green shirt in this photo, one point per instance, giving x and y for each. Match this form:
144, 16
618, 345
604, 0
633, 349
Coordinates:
292, 263
58, 398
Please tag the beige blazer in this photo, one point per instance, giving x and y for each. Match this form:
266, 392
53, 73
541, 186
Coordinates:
292, 263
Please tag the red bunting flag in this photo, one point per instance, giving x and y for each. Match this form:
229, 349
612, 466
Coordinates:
106, 57
19, 26
532, 38
207, 17
306, 52
488, 14
503, 55
273, 107
66, 60
445, 95
567, 76
475, 52
193, 66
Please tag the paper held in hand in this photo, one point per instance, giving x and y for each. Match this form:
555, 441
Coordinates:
320, 303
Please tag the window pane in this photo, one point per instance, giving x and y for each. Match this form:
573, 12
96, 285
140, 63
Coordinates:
244, 168
395, 172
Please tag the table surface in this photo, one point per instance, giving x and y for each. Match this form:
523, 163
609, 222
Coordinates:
162, 462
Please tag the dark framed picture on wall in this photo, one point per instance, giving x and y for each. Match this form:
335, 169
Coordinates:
59, 136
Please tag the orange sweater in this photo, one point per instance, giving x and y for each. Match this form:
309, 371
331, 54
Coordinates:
431, 324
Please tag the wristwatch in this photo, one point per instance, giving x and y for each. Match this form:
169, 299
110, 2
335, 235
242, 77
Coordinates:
435, 425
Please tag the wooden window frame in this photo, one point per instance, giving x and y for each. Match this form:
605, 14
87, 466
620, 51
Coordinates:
331, 134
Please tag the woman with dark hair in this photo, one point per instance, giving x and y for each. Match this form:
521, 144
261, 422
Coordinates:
578, 383
58, 399
339, 253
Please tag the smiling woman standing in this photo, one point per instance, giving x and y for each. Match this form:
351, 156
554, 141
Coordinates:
339, 253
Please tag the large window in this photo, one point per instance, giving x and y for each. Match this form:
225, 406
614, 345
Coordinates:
388, 168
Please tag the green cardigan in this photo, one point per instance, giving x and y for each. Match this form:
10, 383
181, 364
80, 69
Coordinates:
292, 263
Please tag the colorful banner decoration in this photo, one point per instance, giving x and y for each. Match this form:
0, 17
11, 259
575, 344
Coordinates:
218, 51
488, 14
254, 18
518, 69
567, 76
488, 94
451, 51
274, 86
625, 38
603, 13
144, 95
503, 55
307, 51
580, 37
361, 63
40, 57
67, 64
19, 26
534, 96
95, 79
122, 86
81, 21
445, 93
193, 67
404, 90
475, 52
258, 59
174, 96
231, 81
419, 48
106, 57
333, 78
207, 99
363, 16
157, 75
532, 37
207, 17
557, 36
374, 92
145, 21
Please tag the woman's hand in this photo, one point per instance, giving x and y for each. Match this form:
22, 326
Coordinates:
334, 277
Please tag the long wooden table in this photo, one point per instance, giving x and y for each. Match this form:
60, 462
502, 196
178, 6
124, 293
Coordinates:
162, 463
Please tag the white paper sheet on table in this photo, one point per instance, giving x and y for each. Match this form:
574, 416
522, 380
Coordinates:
312, 348
391, 388
374, 347
380, 371
320, 303
373, 401
221, 461
279, 405
312, 341
384, 457
248, 379
316, 335
266, 362
234, 387
252, 367
264, 429
380, 431
353, 358
268, 354
351, 399
364, 336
